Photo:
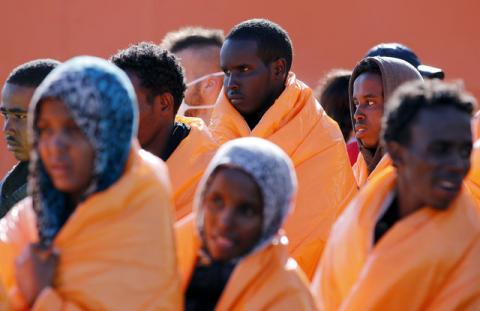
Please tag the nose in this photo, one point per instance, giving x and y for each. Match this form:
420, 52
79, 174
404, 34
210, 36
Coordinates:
226, 219
57, 143
8, 127
230, 82
358, 115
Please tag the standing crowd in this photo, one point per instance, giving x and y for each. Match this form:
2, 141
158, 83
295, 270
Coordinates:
202, 174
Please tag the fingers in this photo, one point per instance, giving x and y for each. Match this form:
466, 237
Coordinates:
44, 253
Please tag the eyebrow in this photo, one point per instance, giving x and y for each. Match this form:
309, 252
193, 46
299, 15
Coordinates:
13, 110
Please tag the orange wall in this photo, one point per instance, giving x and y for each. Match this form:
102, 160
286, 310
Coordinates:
326, 34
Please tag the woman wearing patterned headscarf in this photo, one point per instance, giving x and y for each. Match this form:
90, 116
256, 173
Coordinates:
96, 231
232, 256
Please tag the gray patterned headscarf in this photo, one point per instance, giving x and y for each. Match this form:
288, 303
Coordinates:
273, 172
102, 102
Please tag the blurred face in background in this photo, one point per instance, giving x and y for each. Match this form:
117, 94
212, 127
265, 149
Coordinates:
233, 214
65, 151
203, 79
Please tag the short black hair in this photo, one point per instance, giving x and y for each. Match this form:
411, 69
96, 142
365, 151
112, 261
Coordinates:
272, 40
366, 65
332, 94
157, 69
192, 37
32, 73
410, 98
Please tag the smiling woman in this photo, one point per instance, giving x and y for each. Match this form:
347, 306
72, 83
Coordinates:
97, 220
236, 258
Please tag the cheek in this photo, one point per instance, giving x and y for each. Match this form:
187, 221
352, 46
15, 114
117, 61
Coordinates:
83, 158
208, 220
420, 175
251, 231
42, 150
374, 116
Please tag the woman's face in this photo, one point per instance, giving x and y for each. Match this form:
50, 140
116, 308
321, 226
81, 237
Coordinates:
233, 209
64, 150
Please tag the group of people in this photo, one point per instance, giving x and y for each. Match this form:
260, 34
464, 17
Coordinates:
201, 174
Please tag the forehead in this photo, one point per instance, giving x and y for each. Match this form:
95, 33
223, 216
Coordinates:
440, 124
199, 61
16, 96
236, 184
51, 108
368, 83
239, 52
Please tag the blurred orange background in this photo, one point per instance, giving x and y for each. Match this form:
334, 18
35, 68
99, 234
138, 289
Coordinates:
325, 34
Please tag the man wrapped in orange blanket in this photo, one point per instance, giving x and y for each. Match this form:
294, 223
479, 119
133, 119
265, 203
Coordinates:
96, 231
262, 98
410, 240
184, 143
372, 83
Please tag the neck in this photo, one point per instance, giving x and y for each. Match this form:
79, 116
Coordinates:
253, 118
372, 156
158, 143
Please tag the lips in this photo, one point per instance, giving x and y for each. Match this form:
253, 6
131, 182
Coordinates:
224, 242
360, 130
235, 98
58, 169
449, 187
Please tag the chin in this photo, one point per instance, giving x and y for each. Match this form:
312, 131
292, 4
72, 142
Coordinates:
441, 205
64, 186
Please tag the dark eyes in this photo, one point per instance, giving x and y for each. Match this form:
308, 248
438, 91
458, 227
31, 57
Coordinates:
247, 210
369, 102
443, 149
241, 69
216, 203
71, 131
18, 116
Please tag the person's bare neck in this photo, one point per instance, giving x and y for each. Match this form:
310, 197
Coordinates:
159, 142
254, 118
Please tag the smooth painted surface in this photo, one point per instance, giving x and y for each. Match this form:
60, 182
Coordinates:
325, 34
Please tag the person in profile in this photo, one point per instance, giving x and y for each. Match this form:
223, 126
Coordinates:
16, 95
198, 50
184, 143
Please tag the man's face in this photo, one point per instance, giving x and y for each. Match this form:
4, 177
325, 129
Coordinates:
248, 82
149, 124
437, 158
368, 101
201, 66
14, 107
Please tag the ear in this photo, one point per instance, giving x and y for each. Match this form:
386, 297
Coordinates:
279, 69
163, 105
397, 153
